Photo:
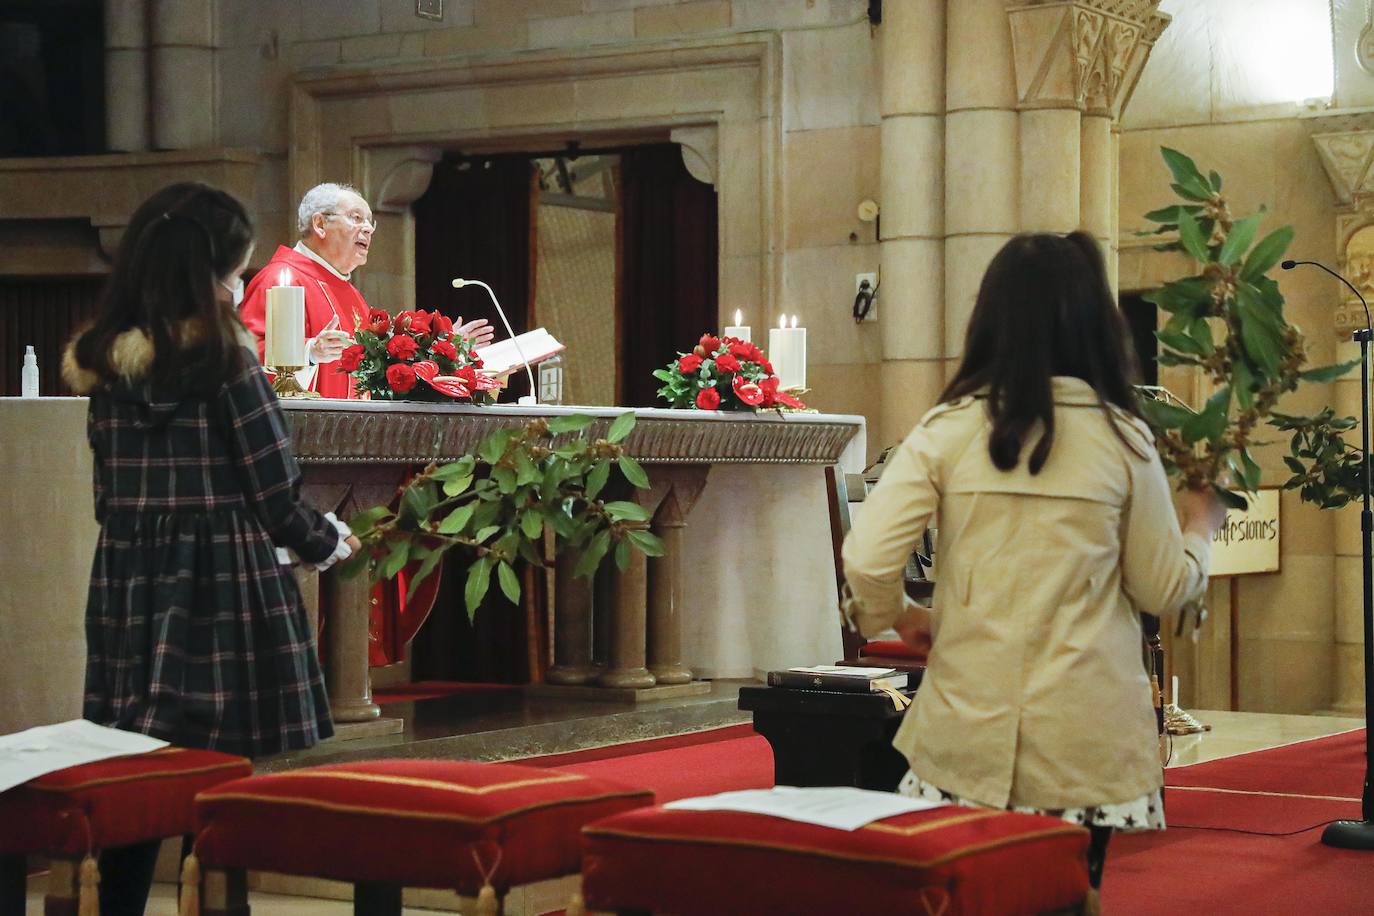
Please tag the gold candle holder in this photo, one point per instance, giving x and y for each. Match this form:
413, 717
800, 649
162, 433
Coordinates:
285, 385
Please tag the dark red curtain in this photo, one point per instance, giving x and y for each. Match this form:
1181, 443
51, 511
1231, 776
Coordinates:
44, 313
668, 257
474, 221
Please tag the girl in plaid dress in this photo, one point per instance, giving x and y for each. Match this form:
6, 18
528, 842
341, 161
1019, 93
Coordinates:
196, 633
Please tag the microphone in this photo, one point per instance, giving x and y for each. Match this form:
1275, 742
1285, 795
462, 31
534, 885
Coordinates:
1368, 325
532, 398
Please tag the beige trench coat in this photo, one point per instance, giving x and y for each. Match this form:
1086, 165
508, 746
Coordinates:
1036, 693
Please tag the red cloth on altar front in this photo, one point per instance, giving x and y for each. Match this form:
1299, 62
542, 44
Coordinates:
326, 296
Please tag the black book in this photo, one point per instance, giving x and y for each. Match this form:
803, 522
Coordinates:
846, 679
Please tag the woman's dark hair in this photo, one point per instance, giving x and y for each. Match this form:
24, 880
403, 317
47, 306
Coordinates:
178, 245
1045, 308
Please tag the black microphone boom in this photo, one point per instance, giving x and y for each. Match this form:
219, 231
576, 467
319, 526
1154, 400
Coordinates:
1360, 834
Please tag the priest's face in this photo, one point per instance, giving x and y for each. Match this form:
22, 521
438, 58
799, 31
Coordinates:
343, 235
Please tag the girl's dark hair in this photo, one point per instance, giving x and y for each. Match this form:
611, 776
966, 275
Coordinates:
1045, 308
179, 244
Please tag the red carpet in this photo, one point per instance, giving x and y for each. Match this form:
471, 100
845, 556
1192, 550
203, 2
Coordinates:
432, 690
1204, 863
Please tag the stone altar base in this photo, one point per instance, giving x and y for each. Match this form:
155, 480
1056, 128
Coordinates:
619, 694
526, 722
373, 728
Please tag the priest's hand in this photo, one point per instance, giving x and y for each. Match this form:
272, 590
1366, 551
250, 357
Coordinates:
328, 345
480, 331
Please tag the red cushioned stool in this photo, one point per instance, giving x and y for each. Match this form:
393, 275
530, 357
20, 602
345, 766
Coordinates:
70, 814
477, 828
946, 861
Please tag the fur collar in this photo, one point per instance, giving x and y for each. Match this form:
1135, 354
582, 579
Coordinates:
131, 356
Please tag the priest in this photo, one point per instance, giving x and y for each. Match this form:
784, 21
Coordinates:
336, 228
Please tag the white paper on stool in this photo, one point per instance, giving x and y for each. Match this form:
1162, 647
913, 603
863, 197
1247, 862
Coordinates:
31, 753
838, 807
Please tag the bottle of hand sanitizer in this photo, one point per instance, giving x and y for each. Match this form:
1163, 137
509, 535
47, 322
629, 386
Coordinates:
28, 377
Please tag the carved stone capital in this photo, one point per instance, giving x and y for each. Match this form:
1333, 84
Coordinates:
700, 151
398, 176
1347, 156
1083, 54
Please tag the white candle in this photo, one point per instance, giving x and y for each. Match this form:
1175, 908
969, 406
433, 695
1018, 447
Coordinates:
740, 330
1174, 685
285, 343
787, 353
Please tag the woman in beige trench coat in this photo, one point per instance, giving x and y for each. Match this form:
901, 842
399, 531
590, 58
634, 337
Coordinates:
1057, 530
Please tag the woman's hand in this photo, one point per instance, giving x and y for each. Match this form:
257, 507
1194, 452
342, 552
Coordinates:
1203, 511
353, 544
914, 628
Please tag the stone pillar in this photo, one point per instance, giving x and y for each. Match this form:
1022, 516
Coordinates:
666, 587
912, 198
982, 154
1051, 179
183, 73
1345, 154
126, 75
625, 656
627, 633
572, 624
1097, 176
347, 676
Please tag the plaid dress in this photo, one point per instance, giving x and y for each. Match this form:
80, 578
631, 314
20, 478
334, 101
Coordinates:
195, 633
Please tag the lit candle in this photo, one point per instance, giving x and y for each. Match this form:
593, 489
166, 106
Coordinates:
285, 338
787, 353
740, 330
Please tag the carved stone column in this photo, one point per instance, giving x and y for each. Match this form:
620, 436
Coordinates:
183, 56
126, 75
913, 204
1346, 147
626, 640
348, 601
572, 625
982, 160
666, 588
1077, 63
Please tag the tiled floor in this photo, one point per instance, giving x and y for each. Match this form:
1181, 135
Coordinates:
1232, 733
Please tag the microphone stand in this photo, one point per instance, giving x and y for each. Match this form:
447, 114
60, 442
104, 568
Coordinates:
528, 400
1346, 834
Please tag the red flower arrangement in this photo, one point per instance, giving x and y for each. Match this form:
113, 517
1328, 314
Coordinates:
415, 356
723, 373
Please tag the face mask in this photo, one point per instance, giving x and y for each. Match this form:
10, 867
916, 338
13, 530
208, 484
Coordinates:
236, 290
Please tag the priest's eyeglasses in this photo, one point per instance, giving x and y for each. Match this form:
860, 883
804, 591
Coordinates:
355, 220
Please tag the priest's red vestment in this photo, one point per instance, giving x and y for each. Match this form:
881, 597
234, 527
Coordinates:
326, 296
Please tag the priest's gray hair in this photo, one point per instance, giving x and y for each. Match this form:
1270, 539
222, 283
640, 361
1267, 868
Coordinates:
322, 198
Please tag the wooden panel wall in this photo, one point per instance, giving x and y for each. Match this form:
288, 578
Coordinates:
42, 312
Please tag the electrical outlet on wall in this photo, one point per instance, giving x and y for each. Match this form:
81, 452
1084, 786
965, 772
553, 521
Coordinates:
859, 287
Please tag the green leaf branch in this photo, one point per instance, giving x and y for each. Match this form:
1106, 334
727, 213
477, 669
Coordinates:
494, 506
1227, 320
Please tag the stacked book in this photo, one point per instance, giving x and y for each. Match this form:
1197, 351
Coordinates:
840, 678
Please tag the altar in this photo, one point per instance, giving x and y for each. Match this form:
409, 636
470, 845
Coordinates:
747, 521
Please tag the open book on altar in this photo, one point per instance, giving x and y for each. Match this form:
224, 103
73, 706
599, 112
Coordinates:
502, 357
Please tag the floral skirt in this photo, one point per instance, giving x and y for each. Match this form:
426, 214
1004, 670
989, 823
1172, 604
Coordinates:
1143, 813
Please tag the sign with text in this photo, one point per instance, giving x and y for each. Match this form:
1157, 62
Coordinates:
1249, 541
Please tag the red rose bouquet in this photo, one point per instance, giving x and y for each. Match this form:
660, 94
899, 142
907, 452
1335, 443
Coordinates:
415, 356
723, 373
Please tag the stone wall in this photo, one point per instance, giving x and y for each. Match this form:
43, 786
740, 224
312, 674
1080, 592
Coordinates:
1299, 628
